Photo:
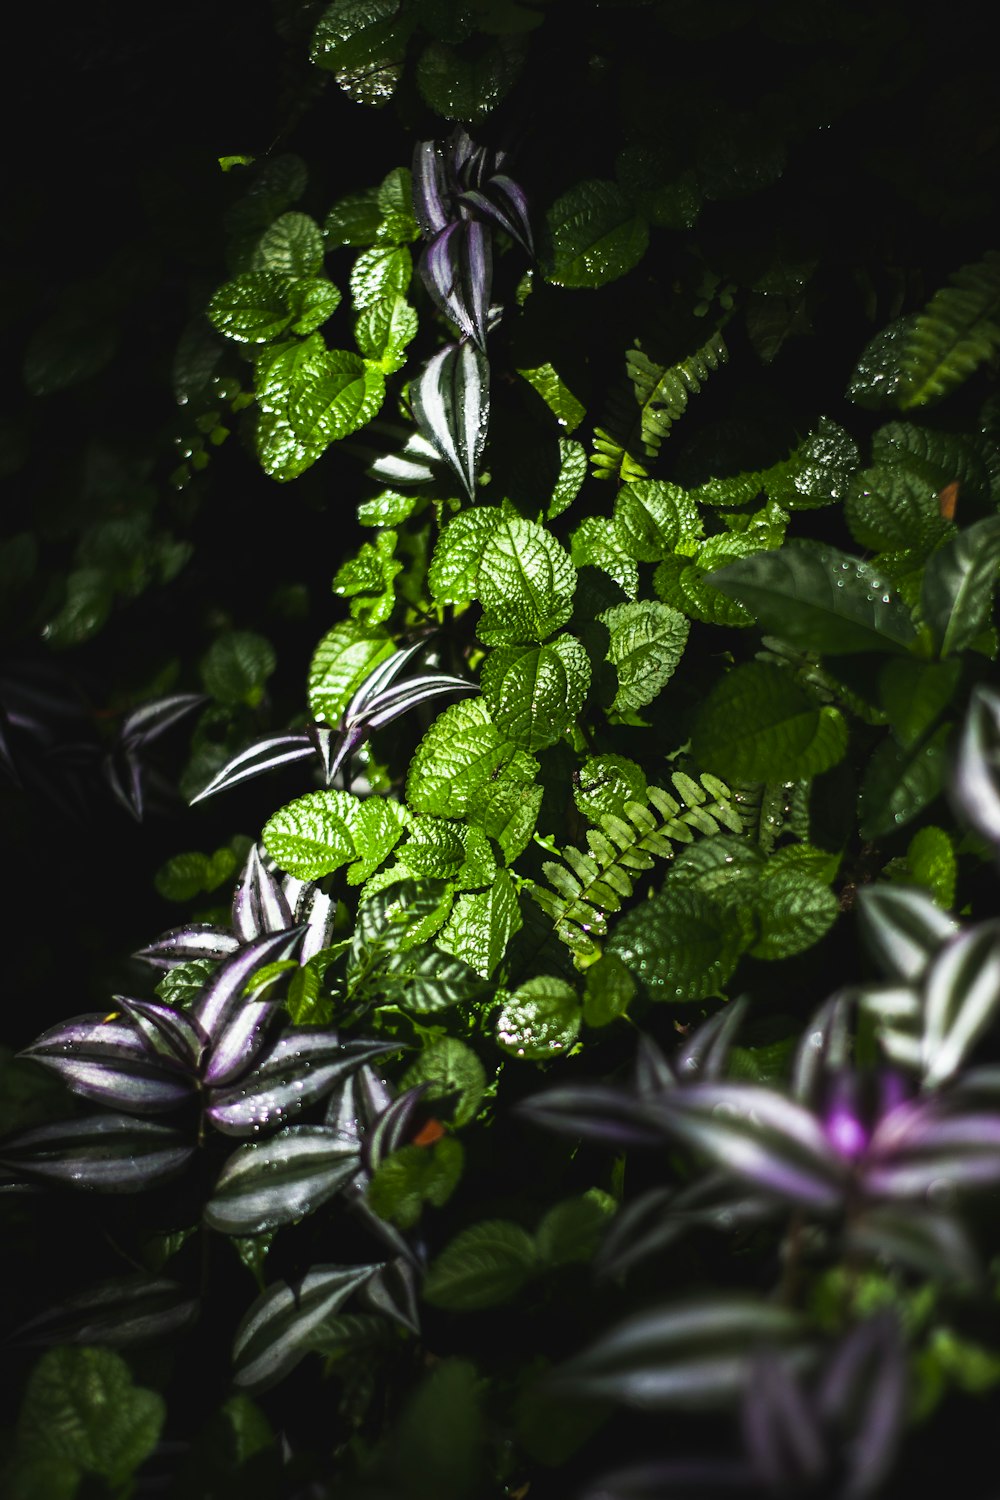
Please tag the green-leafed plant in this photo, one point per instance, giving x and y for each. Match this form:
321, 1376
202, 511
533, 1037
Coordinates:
652, 656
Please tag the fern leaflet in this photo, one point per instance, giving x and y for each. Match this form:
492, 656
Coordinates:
956, 332
585, 887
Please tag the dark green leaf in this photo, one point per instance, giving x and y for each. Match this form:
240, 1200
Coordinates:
596, 235
759, 724
483, 1266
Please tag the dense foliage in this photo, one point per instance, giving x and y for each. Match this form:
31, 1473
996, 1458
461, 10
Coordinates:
561, 1054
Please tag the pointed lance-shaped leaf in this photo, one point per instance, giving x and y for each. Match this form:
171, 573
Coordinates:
123, 771
167, 1031
392, 1291
432, 207
223, 995
416, 464
658, 1218
239, 1041
277, 1181
317, 913
457, 270
704, 1054
975, 786
150, 720
390, 1129
597, 1113
275, 1333
125, 1310
112, 1062
961, 995
698, 1354
653, 1070
502, 200
919, 1148
265, 754
380, 678
932, 1242
902, 928
259, 903
758, 1135
412, 692
863, 1396
781, 1431
826, 1048
451, 403
110, 1153
193, 940
298, 1069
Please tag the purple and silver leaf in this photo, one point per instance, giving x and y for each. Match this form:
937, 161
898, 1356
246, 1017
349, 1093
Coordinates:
266, 754
432, 188
451, 402
259, 903
298, 1070
167, 1031
654, 1073
285, 1178
415, 464
123, 771
317, 913
704, 1054
274, 1336
123, 1311
403, 696
182, 944
355, 1196
695, 1355
597, 1113
757, 1134
457, 270
975, 784
112, 1063
930, 1241
223, 994
920, 1152
902, 929
380, 678
390, 1129
239, 1041
147, 722
502, 200
780, 1428
961, 996
826, 1047
658, 1218
863, 1396
108, 1153
392, 1291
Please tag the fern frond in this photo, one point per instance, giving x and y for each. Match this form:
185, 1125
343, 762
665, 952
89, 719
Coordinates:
957, 331
586, 887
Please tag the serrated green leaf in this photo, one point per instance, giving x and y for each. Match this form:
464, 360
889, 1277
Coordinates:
395, 200
384, 329
605, 783
309, 397
819, 599
321, 831
368, 579
684, 583
425, 980
939, 458
595, 234
481, 926
914, 694
540, 1020
293, 244
818, 471
483, 1266
459, 753
187, 875
893, 508
236, 666
647, 642
413, 1176
461, 87
182, 984
449, 1070
80, 1405
931, 862
259, 306
609, 989
534, 694
435, 848
652, 518
382, 272
353, 220
793, 912
363, 44
507, 807
759, 724
525, 582
345, 656
567, 410
681, 944
571, 1231
455, 564
595, 544
572, 473
959, 581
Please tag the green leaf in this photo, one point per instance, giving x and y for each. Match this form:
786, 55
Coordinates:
890, 508
413, 1176
236, 667
923, 356
459, 753
959, 580
449, 1070
914, 694
395, 200
384, 329
455, 564
525, 582
506, 808
931, 862
309, 397
605, 783
80, 1405
487, 1264
187, 875
596, 235
345, 656
460, 87
899, 783
567, 410
609, 989
793, 910
572, 473
681, 944
293, 244
321, 831
435, 848
182, 984
481, 926
759, 724
818, 471
353, 220
685, 584
652, 518
363, 44
384, 271
368, 578
571, 1231
819, 599
595, 544
540, 1020
647, 642
259, 306
535, 693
